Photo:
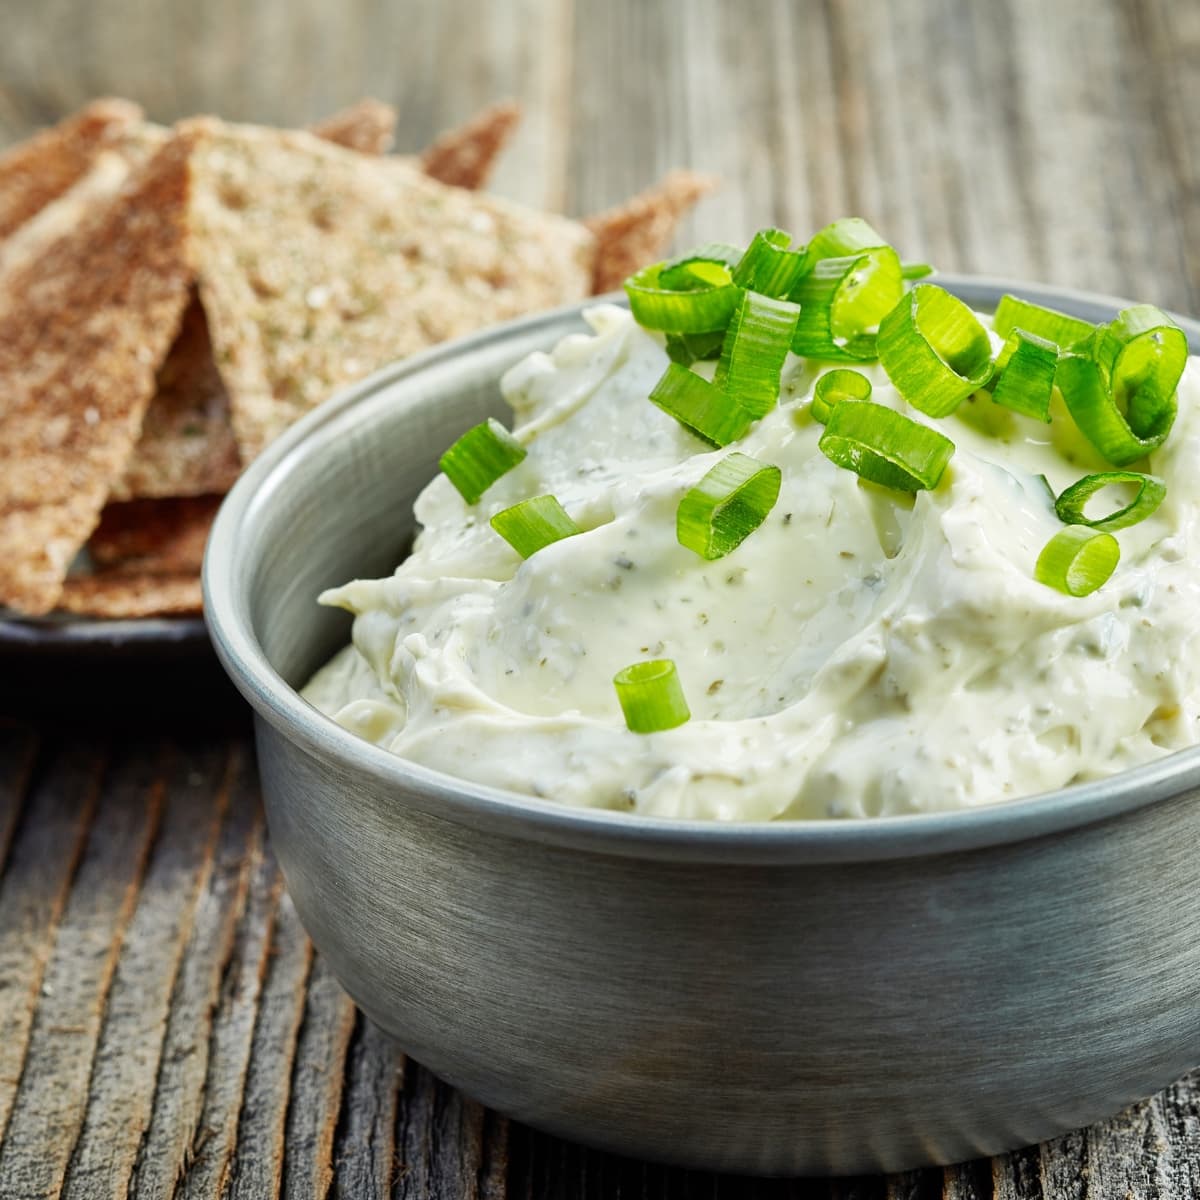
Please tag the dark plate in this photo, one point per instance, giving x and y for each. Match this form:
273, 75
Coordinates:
114, 673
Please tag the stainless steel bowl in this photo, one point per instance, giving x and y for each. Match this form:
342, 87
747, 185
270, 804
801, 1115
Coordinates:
790, 998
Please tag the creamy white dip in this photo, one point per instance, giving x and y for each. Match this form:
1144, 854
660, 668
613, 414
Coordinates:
862, 653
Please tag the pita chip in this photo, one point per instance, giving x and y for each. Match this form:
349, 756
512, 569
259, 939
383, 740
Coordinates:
83, 330
318, 265
37, 171
162, 536
638, 232
464, 157
187, 446
368, 127
118, 595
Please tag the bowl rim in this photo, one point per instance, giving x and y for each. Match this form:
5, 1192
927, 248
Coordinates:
809, 841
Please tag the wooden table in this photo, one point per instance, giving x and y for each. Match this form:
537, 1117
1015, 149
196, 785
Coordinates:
165, 1027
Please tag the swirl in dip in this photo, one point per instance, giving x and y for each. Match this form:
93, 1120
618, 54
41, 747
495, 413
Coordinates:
864, 652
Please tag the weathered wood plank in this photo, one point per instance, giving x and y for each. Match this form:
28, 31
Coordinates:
318, 1077
233, 1032
49, 1107
179, 1094
366, 1139
18, 747
121, 1087
258, 1163
34, 889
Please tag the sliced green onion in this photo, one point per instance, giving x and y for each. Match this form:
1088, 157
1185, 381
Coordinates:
687, 348
1077, 560
480, 457
1150, 493
768, 266
699, 309
1095, 410
885, 446
835, 386
853, 281
1142, 353
702, 267
1054, 326
534, 524
1024, 376
727, 505
651, 696
934, 350
752, 355
915, 270
701, 406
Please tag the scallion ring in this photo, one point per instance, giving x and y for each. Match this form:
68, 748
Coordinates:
885, 447
835, 386
934, 350
727, 505
534, 524
915, 270
1024, 376
651, 696
709, 264
478, 458
1150, 493
1078, 560
699, 309
768, 266
702, 407
1064, 331
752, 355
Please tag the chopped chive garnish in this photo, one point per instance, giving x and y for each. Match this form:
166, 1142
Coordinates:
752, 355
1120, 386
1024, 375
480, 457
700, 406
534, 524
934, 350
835, 386
727, 505
699, 308
885, 446
768, 266
651, 696
1077, 560
1150, 493
1064, 331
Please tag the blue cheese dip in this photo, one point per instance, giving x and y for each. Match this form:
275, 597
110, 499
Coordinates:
863, 653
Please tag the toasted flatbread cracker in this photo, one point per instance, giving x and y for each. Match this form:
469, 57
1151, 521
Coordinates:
368, 127
166, 536
638, 232
37, 171
318, 265
82, 332
186, 446
122, 595
464, 157
123, 153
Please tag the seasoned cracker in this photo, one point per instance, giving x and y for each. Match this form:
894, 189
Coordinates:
119, 595
638, 232
318, 265
368, 127
464, 157
37, 171
166, 536
83, 331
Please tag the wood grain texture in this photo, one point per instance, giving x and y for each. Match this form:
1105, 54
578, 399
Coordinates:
165, 1028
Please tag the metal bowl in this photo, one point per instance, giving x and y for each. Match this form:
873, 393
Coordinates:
806, 997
